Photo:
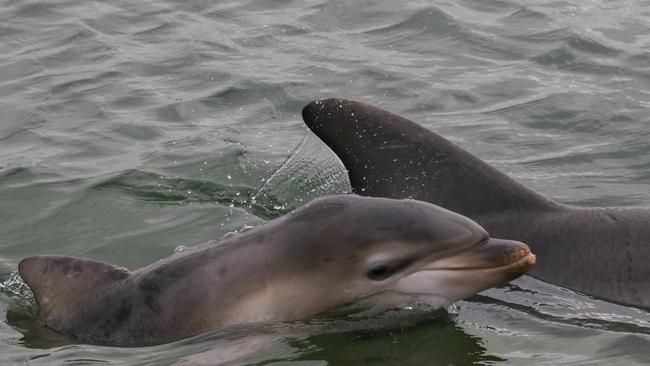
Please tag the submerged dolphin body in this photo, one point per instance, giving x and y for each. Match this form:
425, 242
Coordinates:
327, 253
603, 252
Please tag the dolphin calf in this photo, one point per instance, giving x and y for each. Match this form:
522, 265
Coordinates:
604, 252
330, 252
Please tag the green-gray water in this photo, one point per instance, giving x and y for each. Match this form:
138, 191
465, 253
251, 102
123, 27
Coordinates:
128, 128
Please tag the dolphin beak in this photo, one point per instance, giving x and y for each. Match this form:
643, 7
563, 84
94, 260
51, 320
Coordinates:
491, 263
511, 258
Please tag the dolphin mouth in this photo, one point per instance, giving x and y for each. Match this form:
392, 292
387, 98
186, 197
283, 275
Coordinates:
491, 254
523, 265
490, 263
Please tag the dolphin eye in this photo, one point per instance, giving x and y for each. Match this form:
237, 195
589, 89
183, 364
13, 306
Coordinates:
379, 271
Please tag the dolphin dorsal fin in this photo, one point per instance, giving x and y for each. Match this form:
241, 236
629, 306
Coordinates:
390, 156
63, 286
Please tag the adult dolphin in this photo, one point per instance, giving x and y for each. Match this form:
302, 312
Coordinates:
603, 252
327, 253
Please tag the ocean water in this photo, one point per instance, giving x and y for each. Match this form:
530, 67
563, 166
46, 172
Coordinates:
128, 128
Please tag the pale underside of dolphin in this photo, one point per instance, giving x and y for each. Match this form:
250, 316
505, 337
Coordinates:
325, 254
604, 252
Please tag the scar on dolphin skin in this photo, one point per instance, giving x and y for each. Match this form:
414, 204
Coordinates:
602, 252
327, 253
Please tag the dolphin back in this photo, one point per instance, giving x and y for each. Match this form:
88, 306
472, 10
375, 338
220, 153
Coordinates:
390, 156
66, 288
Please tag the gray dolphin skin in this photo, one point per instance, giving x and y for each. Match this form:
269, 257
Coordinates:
604, 252
330, 252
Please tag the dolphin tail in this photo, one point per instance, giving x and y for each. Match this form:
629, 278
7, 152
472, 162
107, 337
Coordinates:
390, 156
64, 286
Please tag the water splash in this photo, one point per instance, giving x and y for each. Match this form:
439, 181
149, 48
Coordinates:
15, 287
310, 171
20, 300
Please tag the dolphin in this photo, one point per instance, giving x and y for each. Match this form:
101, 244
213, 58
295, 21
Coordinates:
330, 252
603, 252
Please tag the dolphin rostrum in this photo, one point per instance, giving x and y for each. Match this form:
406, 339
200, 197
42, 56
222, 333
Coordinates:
328, 253
603, 252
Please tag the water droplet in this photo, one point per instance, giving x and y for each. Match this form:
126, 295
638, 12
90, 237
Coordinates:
245, 228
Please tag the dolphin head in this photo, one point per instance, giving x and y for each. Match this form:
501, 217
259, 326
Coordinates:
339, 249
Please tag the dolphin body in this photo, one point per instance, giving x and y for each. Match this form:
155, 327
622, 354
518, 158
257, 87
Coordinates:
330, 252
604, 252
